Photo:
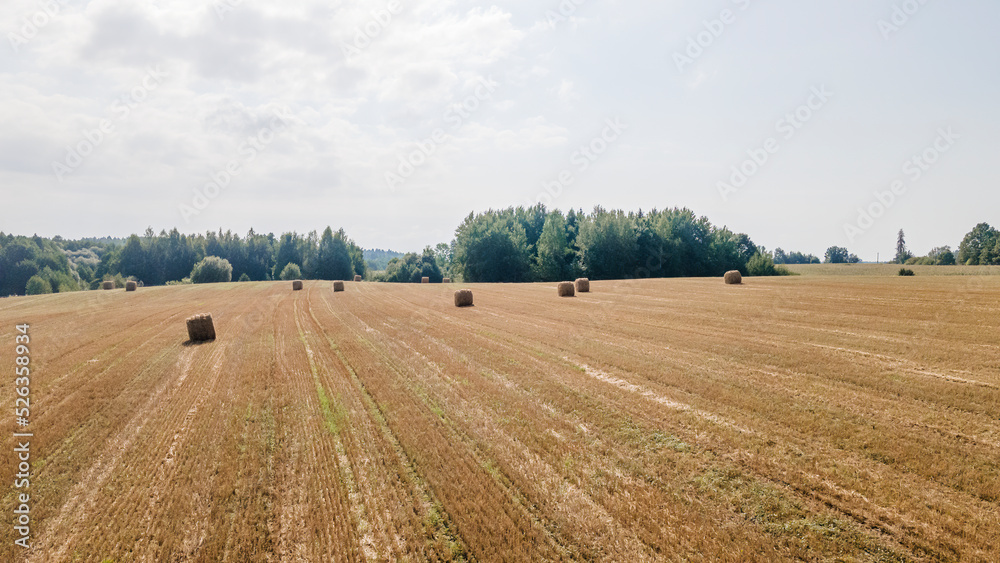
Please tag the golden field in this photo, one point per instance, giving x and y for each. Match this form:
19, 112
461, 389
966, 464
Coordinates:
806, 418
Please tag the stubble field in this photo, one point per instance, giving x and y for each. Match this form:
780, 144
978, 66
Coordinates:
823, 418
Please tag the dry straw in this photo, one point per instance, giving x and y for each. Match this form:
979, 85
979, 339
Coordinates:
463, 298
425, 279
566, 289
357, 278
130, 286
582, 285
733, 277
296, 285
338, 286
201, 328
108, 285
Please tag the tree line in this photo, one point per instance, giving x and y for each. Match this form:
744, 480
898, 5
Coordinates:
508, 245
58, 265
533, 244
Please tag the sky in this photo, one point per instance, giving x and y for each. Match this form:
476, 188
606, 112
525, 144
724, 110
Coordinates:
803, 124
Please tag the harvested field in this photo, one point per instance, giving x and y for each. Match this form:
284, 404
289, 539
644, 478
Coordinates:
820, 418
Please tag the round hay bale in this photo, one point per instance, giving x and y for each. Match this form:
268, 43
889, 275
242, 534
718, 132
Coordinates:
463, 298
733, 277
338, 286
296, 285
357, 278
108, 285
425, 279
446, 280
201, 328
566, 289
130, 286
582, 285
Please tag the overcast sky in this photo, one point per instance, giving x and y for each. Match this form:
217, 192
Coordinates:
396, 119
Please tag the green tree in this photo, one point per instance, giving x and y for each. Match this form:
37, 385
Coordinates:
685, 244
402, 269
780, 257
837, 255
333, 258
288, 251
942, 256
762, 264
37, 286
429, 267
291, 272
746, 247
212, 269
343, 264
608, 245
554, 259
443, 253
492, 247
902, 254
980, 238
244, 277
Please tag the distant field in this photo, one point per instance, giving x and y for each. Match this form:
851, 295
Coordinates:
890, 270
787, 419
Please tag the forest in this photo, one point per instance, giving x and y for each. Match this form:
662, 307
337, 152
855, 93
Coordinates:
508, 245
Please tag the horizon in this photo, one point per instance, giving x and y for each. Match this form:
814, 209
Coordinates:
804, 126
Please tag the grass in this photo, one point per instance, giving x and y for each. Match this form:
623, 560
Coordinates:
889, 270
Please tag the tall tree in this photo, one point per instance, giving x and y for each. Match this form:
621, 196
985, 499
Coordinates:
330, 256
608, 245
837, 255
287, 252
902, 254
977, 245
553, 262
492, 247
132, 261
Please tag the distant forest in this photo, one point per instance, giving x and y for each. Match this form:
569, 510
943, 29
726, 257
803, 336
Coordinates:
510, 245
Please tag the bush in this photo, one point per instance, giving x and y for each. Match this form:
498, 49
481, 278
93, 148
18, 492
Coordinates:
212, 269
906, 272
37, 286
291, 272
244, 277
761, 264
